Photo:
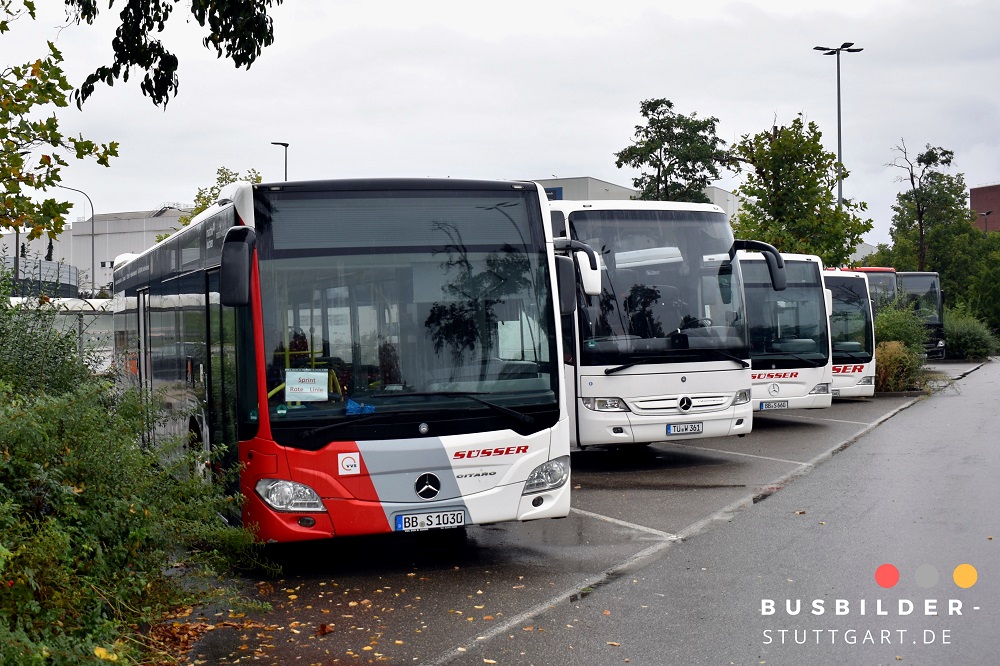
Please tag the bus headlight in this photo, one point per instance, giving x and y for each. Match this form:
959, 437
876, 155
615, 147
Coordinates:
867, 381
820, 389
283, 495
605, 404
742, 397
547, 476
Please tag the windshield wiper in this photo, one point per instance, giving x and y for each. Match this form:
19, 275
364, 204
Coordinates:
677, 352
347, 421
811, 361
507, 411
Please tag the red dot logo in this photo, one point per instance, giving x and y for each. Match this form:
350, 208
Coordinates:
886, 575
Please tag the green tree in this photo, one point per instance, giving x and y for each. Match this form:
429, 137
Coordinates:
209, 195
927, 185
33, 148
237, 29
678, 155
789, 197
983, 297
933, 228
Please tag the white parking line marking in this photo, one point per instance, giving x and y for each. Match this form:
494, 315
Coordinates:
737, 453
641, 528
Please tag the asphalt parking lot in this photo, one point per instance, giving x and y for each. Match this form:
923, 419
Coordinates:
447, 597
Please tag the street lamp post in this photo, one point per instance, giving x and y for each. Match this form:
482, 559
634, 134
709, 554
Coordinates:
846, 46
93, 263
986, 221
285, 146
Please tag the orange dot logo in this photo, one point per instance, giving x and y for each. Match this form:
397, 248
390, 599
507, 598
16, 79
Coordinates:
965, 575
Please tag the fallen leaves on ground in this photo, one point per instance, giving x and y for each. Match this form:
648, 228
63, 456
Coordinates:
176, 638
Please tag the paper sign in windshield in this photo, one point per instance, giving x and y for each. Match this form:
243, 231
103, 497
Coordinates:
306, 385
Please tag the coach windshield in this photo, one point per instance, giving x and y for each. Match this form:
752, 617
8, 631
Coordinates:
670, 291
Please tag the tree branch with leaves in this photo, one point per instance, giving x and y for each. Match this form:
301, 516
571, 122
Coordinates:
924, 175
33, 148
678, 155
237, 29
788, 194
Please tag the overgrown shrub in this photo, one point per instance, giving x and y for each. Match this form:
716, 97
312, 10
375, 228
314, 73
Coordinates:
966, 337
90, 520
897, 367
902, 325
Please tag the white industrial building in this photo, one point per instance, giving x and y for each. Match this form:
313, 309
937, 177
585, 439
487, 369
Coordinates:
584, 187
84, 253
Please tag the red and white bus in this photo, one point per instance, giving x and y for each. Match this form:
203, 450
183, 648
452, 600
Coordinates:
852, 332
378, 355
789, 333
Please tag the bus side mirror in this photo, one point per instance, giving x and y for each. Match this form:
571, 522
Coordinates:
828, 296
775, 264
586, 260
591, 277
566, 281
234, 276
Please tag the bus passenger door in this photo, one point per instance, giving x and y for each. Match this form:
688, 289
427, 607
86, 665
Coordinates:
221, 385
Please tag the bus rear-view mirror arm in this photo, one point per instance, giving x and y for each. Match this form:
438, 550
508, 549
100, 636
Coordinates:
234, 276
775, 264
590, 274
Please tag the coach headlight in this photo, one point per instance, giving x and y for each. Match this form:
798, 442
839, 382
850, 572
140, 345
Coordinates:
283, 495
547, 476
867, 380
742, 397
605, 404
820, 389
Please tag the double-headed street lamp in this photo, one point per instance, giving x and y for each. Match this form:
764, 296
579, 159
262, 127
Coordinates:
93, 264
846, 46
285, 146
986, 221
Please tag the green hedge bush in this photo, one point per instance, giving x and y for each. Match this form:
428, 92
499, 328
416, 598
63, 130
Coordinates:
967, 337
90, 519
902, 325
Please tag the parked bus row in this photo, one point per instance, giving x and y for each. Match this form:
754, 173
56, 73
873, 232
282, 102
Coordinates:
919, 290
398, 355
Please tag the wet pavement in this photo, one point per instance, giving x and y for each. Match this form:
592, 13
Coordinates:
590, 588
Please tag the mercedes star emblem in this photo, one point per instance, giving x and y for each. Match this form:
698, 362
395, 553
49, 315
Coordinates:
427, 486
773, 389
684, 404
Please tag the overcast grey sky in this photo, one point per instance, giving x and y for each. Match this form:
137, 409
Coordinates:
528, 89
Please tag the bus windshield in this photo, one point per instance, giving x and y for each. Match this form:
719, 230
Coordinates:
922, 292
850, 321
415, 302
786, 327
882, 288
669, 289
